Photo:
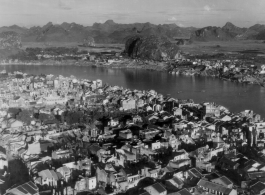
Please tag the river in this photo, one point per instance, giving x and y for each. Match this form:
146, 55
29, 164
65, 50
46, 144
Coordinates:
235, 96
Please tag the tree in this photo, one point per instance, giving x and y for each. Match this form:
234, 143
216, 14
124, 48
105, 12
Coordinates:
46, 117
13, 111
25, 116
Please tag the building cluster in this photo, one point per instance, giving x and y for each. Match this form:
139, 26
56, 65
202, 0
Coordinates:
146, 143
229, 69
84, 58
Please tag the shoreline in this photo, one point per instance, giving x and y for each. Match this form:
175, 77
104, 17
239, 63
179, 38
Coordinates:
131, 64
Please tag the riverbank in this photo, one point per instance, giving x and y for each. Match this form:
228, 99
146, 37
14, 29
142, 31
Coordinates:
224, 73
234, 96
121, 64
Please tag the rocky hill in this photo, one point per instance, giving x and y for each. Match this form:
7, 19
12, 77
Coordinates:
150, 47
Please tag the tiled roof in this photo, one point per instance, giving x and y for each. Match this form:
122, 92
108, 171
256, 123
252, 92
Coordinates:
225, 180
257, 187
28, 188
50, 174
214, 186
158, 187
182, 192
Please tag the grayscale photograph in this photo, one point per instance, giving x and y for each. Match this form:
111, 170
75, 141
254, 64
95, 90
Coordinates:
132, 97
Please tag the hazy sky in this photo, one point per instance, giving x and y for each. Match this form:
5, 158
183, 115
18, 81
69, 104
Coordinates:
198, 13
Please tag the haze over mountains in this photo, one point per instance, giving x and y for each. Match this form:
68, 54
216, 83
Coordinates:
111, 32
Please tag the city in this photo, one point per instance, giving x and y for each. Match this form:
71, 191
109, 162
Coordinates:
66, 136
139, 97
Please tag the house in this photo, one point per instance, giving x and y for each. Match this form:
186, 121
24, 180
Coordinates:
214, 188
48, 177
137, 119
12, 124
156, 189
193, 174
148, 133
113, 122
28, 188
128, 104
181, 158
59, 154
177, 112
218, 142
182, 192
210, 109
65, 172
51, 100
148, 172
39, 147
172, 140
166, 172
125, 156
133, 179
174, 183
226, 163
224, 181
126, 134
84, 164
86, 183
3, 160
257, 189
102, 176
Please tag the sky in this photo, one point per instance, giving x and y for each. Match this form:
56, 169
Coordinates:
185, 13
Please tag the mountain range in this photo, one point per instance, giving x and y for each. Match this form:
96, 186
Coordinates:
111, 32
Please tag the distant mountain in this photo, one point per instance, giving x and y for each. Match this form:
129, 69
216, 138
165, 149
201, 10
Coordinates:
111, 32
257, 27
233, 30
108, 32
212, 33
259, 31
261, 35
14, 28
229, 32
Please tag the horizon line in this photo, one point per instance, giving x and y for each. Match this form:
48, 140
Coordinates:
54, 23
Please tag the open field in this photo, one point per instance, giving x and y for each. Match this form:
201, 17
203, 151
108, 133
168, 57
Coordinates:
212, 47
97, 48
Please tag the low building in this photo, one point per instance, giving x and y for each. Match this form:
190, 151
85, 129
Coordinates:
148, 133
86, 183
61, 154
257, 189
128, 104
126, 134
65, 172
51, 100
224, 181
156, 189
215, 188
3, 161
28, 188
48, 177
